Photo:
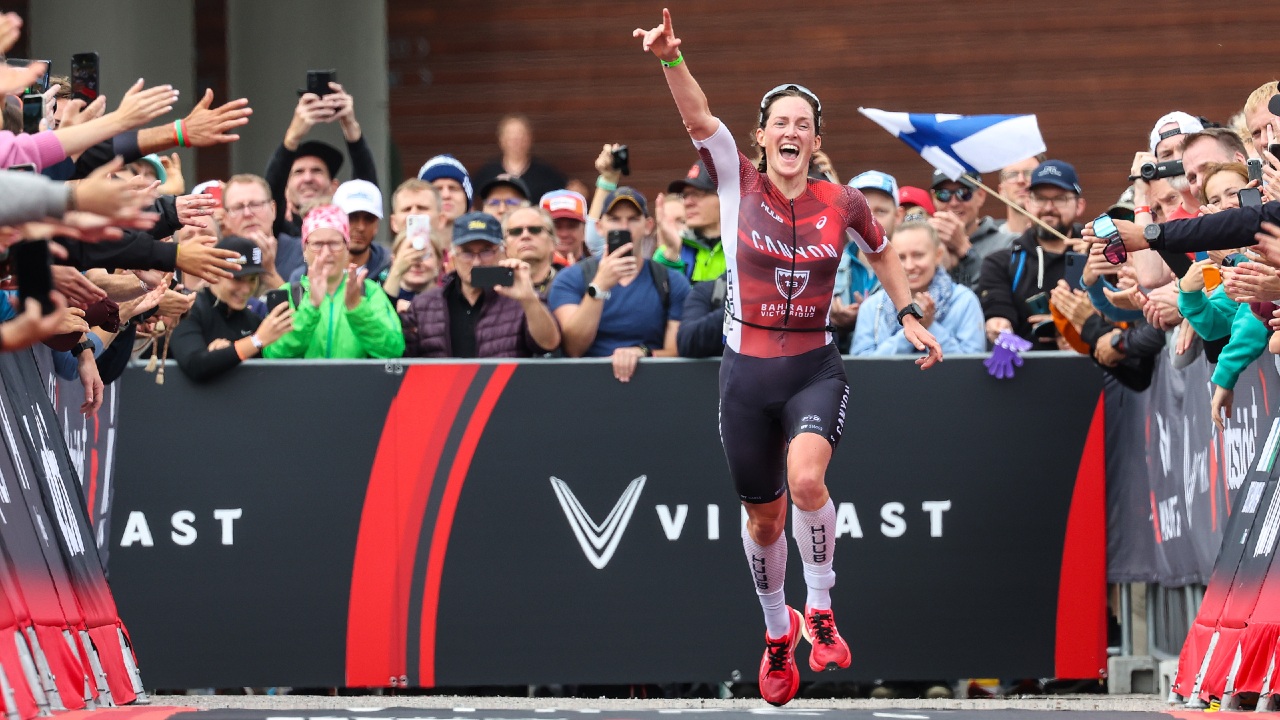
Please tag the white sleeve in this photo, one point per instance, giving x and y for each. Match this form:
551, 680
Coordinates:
723, 160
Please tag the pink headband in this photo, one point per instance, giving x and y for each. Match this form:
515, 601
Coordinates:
326, 216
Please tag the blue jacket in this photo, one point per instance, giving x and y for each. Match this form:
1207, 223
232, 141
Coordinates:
957, 324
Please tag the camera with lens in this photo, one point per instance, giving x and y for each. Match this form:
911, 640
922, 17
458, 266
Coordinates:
622, 160
1158, 170
1155, 171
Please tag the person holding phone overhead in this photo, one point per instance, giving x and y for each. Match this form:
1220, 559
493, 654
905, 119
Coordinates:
487, 307
783, 394
221, 330
620, 305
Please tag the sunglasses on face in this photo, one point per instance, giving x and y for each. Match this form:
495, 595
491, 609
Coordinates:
498, 202
961, 194
534, 230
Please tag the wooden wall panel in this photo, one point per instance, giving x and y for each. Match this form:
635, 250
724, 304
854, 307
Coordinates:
1097, 74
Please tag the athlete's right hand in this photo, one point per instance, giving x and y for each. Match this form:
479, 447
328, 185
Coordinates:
616, 266
661, 40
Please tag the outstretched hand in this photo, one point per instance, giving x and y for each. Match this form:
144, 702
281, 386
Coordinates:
922, 339
661, 40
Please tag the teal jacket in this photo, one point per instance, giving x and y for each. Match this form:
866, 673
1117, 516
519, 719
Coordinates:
1218, 316
371, 330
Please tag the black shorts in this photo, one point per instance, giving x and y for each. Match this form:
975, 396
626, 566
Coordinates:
765, 402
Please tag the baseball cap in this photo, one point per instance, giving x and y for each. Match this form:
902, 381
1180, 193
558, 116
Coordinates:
626, 194
446, 167
477, 226
1187, 125
154, 161
940, 177
1058, 174
359, 196
908, 195
565, 204
505, 179
327, 153
250, 254
876, 180
210, 187
698, 178
1123, 208
326, 216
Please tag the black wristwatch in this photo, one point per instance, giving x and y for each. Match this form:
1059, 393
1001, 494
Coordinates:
911, 309
81, 347
1153, 234
1117, 340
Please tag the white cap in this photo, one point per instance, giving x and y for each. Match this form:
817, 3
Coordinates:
359, 196
1187, 125
876, 180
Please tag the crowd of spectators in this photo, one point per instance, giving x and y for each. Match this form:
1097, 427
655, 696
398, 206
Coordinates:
519, 260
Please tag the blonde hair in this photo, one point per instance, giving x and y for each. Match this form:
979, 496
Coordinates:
414, 185
250, 179
920, 225
1260, 96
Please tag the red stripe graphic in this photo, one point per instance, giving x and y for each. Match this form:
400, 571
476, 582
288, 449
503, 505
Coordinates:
1080, 650
409, 450
444, 521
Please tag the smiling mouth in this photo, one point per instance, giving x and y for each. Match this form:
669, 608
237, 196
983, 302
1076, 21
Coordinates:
789, 151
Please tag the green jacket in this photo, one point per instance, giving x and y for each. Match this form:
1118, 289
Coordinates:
331, 331
1248, 342
701, 259
1218, 316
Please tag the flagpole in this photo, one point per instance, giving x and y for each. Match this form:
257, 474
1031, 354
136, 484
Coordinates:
1017, 207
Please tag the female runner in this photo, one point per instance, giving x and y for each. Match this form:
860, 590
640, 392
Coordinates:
783, 393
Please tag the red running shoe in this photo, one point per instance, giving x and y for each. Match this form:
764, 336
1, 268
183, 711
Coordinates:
779, 676
830, 651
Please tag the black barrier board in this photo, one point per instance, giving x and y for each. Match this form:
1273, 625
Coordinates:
498, 524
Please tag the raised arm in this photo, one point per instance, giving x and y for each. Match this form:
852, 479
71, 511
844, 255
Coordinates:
690, 101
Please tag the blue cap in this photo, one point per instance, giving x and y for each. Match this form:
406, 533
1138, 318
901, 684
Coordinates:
477, 226
446, 166
626, 194
1058, 174
876, 180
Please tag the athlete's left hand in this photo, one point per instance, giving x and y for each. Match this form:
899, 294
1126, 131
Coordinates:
661, 40
922, 339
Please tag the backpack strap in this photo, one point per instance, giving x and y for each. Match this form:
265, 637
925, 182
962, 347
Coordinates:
295, 293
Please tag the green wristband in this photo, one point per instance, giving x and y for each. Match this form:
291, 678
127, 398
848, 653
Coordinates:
679, 59
177, 128
605, 185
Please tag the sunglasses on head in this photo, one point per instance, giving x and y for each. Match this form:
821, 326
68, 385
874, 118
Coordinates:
764, 101
963, 194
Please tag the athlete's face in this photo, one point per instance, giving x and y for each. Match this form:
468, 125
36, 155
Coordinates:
789, 136
920, 255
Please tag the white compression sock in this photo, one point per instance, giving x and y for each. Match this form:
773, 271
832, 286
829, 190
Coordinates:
815, 534
768, 569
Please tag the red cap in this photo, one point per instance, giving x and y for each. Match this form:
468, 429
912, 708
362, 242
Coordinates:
908, 195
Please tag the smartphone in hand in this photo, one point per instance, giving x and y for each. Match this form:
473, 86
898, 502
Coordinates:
318, 81
486, 277
1075, 269
85, 70
32, 267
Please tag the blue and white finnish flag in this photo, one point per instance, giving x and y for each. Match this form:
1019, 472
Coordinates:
959, 144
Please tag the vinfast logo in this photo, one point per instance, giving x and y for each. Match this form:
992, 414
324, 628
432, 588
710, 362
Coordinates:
598, 541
